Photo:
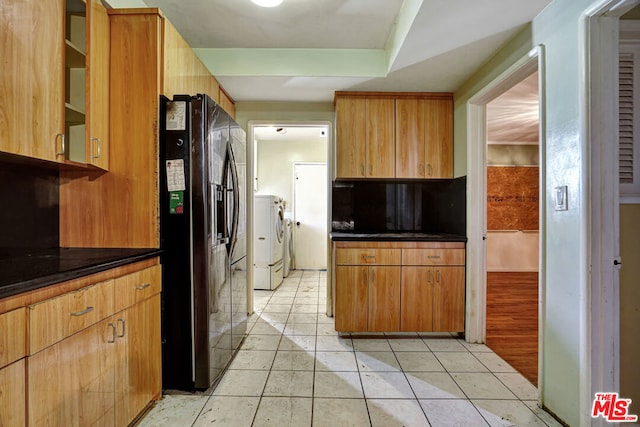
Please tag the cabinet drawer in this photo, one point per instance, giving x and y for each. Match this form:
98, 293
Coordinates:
363, 256
433, 256
13, 336
138, 286
57, 318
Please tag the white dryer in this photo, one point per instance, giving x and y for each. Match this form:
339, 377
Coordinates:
268, 241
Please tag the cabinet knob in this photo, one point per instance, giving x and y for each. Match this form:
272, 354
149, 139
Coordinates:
421, 169
429, 169
62, 146
98, 150
362, 170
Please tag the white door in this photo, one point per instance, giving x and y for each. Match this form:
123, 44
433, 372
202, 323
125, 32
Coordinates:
310, 215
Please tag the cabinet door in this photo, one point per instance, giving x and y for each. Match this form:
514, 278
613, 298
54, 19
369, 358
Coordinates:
12, 395
97, 135
410, 133
32, 82
438, 118
384, 299
138, 360
351, 298
71, 383
351, 137
380, 141
448, 299
417, 299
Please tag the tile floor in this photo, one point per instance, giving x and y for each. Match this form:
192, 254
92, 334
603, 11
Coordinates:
294, 370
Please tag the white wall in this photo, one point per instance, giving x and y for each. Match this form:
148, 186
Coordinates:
275, 164
564, 372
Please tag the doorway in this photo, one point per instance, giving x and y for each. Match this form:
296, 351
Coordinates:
310, 215
273, 149
476, 317
512, 244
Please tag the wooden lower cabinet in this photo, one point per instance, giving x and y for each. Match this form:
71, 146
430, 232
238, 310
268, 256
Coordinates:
352, 297
138, 359
417, 299
72, 382
384, 299
448, 299
12, 395
421, 289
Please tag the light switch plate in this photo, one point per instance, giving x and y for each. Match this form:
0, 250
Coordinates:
560, 198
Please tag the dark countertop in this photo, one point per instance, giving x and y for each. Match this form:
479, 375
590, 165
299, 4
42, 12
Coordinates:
22, 271
341, 236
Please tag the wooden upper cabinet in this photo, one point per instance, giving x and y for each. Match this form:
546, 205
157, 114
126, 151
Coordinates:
97, 133
394, 135
32, 82
424, 138
365, 131
380, 144
227, 103
351, 133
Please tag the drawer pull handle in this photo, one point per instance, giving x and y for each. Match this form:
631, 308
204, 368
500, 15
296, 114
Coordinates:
369, 257
113, 333
434, 257
437, 276
143, 286
83, 312
121, 321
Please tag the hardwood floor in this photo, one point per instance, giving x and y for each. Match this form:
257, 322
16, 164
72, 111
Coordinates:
512, 320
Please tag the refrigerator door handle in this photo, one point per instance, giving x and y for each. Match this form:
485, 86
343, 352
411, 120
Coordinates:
236, 201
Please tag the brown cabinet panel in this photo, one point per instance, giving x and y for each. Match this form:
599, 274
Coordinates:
72, 382
438, 138
384, 299
227, 103
13, 336
380, 141
417, 299
448, 299
97, 77
433, 256
136, 287
12, 395
352, 285
32, 82
364, 256
57, 318
138, 359
350, 133
410, 133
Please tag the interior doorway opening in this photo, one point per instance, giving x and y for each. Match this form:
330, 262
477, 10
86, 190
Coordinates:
478, 260
274, 147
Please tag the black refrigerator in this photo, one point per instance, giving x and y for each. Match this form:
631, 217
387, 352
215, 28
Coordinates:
203, 238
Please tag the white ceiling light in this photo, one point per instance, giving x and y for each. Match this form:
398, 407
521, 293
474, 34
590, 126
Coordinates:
267, 3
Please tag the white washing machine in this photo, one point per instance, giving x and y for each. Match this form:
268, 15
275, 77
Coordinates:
288, 247
268, 242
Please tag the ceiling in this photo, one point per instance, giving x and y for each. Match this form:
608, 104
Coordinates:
513, 117
304, 50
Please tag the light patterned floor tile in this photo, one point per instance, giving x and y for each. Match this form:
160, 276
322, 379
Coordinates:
333, 343
336, 361
340, 412
298, 343
261, 342
377, 361
501, 413
494, 362
227, 411
454, 361
371, 344
418, 361
293, 361
289, 384
408, 344
386, 385
337, 384
444, 344
480, 385
284, 412
173, 410
300, 329
518, 385
253, 359
434, 385
396, 413
452, 413
241, 383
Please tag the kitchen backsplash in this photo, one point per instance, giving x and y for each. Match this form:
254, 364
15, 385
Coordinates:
29, 217
428, 206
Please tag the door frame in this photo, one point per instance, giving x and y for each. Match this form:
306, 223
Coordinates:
293, 202
251, 179
476, 281
599, 30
